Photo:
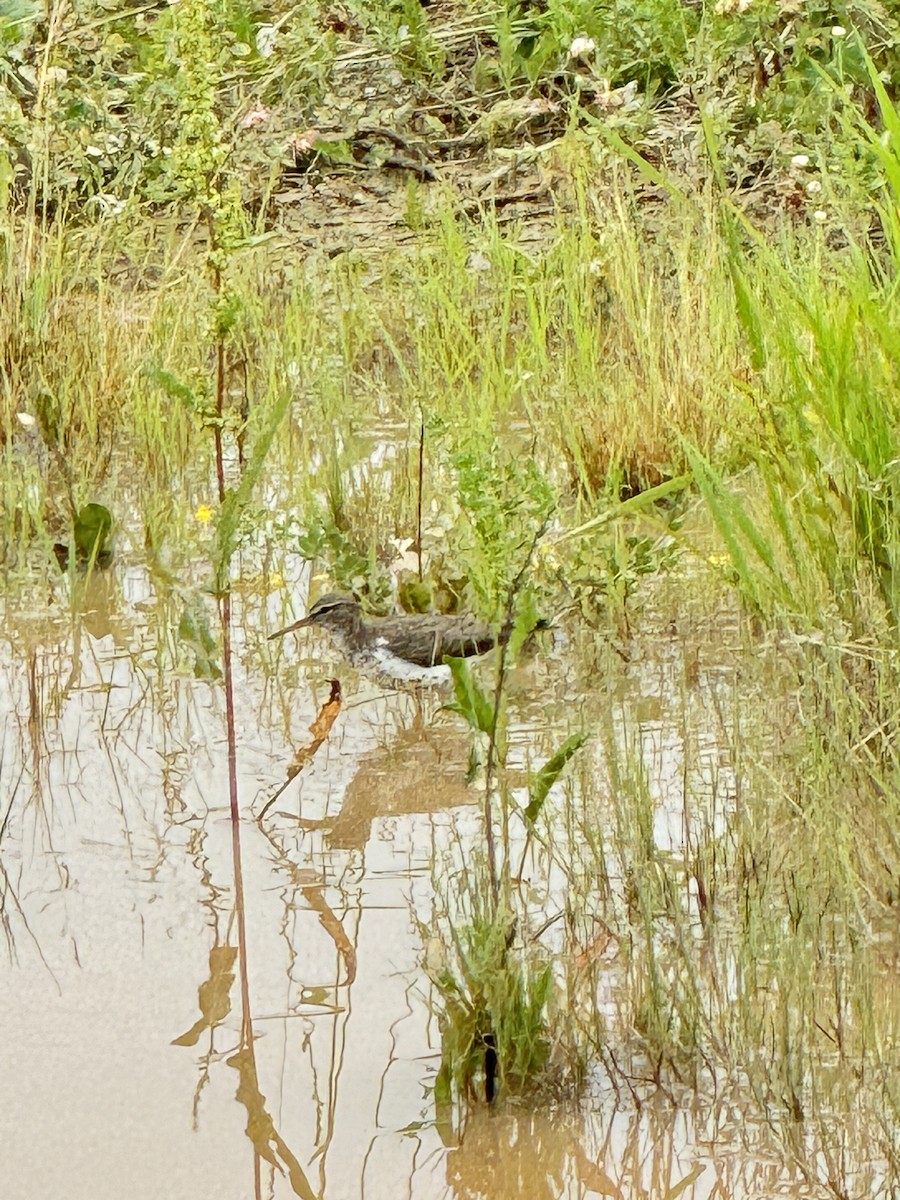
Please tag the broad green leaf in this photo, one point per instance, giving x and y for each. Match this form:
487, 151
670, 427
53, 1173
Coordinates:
524, 624
92, 529
337, 151
549, 773
194, 631
471, 702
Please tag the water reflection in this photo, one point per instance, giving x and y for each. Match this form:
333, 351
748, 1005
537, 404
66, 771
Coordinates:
125, 1031
539, 1155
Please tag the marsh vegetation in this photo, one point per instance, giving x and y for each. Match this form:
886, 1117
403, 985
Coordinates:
573, 316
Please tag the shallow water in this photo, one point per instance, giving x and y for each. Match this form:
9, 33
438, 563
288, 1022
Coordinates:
119, 925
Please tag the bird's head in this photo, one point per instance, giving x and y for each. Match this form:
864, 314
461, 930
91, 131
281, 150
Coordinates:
334, 612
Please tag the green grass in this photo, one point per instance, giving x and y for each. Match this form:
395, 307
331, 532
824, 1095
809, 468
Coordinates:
662, 328
492, 1000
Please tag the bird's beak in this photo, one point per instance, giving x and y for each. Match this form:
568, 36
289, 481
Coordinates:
304, 621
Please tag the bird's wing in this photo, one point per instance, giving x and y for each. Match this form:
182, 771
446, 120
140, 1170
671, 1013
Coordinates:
466, 636
425, 640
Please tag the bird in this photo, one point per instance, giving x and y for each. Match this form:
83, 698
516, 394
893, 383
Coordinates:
405, 649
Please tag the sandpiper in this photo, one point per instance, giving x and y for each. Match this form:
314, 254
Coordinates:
406, 649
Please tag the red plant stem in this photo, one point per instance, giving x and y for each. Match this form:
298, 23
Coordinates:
228, 675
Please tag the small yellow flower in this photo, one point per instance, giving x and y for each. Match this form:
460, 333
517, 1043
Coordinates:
718, 560
204, 514
276, 580
550, 557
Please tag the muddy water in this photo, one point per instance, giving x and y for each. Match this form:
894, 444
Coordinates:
119, 936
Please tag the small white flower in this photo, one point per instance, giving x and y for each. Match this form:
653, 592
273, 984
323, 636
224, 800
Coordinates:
838, 31
800, 161
266, 36
406, 557
820, 215
813, 187
628, 93
582, 47
110, 206
25, 419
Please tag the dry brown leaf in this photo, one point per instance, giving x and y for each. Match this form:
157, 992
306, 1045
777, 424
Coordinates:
333, 927
320, 729
596, 948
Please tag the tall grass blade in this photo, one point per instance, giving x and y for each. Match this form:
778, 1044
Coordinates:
738, 530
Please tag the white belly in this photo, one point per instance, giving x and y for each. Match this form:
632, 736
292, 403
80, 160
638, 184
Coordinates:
380, 661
